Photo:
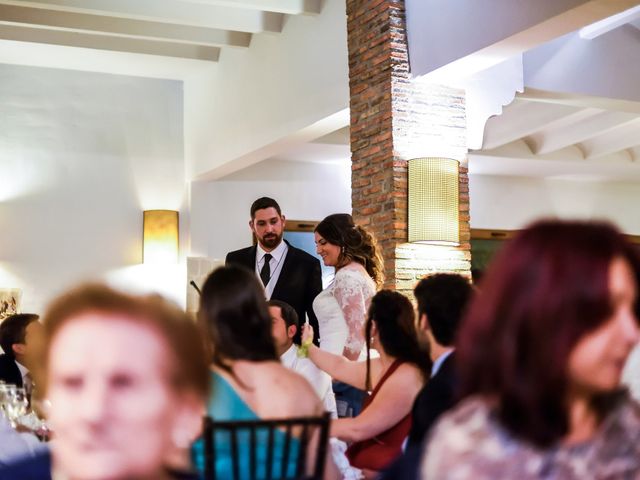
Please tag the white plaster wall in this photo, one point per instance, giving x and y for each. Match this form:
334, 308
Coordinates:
503, 202
305, 191
81, 156
278, 86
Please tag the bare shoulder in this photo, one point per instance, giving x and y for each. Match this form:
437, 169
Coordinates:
285, 393
405, 382
407, 373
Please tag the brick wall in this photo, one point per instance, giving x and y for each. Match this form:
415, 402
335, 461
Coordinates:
395, 118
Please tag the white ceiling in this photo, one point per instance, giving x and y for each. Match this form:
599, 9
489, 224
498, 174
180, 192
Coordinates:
100, 35
541, 133
553, 128
558, 131
196, 29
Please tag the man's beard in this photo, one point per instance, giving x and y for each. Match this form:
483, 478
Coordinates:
271, 240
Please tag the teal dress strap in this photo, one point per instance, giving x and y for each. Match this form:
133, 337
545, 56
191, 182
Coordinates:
226, 404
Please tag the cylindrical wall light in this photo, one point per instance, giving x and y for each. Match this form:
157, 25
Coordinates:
433, 201
160, 237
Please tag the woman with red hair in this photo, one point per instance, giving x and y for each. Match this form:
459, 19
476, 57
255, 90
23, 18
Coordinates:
540, 358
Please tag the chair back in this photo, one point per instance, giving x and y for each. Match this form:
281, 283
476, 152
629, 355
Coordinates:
278, 457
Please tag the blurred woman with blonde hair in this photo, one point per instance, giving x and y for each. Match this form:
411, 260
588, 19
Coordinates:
126, 378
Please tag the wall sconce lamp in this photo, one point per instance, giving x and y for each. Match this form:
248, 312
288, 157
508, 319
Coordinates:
433, 201
160, 237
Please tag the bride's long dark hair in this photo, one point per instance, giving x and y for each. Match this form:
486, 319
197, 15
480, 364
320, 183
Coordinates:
356, 244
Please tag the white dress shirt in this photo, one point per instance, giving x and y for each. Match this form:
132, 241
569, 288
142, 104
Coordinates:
439, 361
319, 380
278, 255
26, 377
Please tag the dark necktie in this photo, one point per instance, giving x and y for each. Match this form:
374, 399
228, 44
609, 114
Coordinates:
265, 273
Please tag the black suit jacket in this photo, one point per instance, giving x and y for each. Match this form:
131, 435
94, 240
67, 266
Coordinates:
300, 281
437, 396
407, 467
9, 371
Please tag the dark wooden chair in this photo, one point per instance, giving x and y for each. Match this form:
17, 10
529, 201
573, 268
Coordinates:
311, 434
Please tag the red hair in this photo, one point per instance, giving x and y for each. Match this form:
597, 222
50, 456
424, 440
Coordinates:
545, 290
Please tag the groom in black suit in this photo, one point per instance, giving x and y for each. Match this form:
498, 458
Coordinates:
287, 273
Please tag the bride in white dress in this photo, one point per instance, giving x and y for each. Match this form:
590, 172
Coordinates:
341, 308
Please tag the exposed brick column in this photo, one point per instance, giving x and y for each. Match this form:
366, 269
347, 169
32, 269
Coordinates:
395, 118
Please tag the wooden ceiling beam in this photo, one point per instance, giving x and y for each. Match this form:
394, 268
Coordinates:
106, 42
169, 11
83, 22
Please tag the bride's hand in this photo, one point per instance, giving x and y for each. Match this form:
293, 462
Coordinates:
307, 334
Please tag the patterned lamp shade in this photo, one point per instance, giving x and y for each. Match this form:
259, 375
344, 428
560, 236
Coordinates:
160, 244
433, 201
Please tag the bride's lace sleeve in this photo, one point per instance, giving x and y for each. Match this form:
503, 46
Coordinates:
349, 292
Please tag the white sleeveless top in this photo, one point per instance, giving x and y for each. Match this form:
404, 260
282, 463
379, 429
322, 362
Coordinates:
341, 309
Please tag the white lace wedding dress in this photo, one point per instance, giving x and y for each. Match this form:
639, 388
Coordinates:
341, 309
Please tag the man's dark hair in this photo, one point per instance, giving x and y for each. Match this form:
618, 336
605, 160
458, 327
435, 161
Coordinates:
443, 298
264, 202
13, 330
289, 315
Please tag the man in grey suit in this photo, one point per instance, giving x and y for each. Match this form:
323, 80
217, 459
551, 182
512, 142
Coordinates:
288, 273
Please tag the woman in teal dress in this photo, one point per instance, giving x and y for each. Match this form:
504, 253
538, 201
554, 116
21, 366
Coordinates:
249, 382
